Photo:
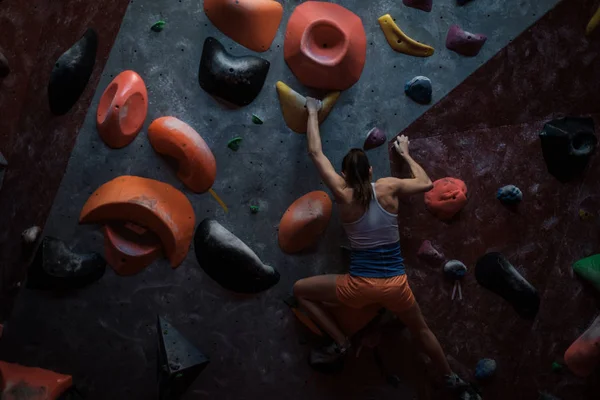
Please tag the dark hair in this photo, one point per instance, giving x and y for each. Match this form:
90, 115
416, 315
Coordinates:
358, 177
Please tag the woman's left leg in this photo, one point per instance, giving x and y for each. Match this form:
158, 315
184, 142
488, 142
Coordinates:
310, 292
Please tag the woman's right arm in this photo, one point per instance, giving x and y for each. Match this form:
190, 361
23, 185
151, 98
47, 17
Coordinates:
420, 181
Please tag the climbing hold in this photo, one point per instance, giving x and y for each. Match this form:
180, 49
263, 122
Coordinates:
251, 23
424, 5
21, 382
234, 144
71, 73
495, 273
4, 67
588, 208
589, 269
583, 356
256, 120
556, 367
485, 368
419, 89
304, 221
30, 235
455, 269
594, 22
130, 248
196, 165
325, 45
179, 362
254, 209
462, 2
158, 26
399, 41
154, 205
447, 198
55, 267
229, 261
464, 43
122, 109
293, 107
430, 254
509, 194
234, 80
375, 138
567, 145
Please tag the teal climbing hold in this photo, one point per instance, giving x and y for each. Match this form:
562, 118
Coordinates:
419, 89
589, 269
158, 26
256, 119
509, 194
485, 368
234, 144
556, 367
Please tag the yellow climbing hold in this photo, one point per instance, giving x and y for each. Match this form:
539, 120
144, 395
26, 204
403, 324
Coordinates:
218, 199
594, 22
399, 41
293, 107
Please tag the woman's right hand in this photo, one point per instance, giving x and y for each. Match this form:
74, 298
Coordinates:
313, 105
401, 145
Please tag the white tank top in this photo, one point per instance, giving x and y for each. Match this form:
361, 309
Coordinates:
375, 228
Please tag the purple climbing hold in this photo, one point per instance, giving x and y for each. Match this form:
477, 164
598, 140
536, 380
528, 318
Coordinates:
4, 68
465, 43
375, 138
430, 254
424, 5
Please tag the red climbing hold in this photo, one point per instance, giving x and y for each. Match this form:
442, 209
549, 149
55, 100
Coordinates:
583, 356
448, 197
20, 382
430, 254
465, 43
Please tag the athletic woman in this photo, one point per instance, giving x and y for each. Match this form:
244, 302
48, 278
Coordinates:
377, 274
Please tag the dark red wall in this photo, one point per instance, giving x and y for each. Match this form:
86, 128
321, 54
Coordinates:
37, 144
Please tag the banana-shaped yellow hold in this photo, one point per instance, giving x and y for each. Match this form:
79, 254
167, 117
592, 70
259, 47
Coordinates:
399, 41
594, 22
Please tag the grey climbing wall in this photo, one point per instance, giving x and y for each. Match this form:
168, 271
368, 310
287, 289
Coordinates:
105, 335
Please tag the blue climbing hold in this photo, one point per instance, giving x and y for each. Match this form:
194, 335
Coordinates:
485, 368
509, 194
455, 269
419, 89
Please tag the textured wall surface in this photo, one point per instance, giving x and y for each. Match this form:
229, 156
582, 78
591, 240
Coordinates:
105, 336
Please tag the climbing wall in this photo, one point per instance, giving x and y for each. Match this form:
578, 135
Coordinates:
106, 332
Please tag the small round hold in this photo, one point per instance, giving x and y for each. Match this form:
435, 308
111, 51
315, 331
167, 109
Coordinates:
455, 269
419, 89
30, 235
509, 194
485, 368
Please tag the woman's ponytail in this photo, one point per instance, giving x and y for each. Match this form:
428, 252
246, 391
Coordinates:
357, 171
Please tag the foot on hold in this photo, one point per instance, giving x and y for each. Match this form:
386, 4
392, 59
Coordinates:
495, 273
485, 369
430, 254
399, 41
464, 43
419, 89
461, 389
179, 362
293, 107
567, 145
229, 261
375, 138
462, 2
589, 269
71, 73
509, 195
424, 5
55, 267
328, 359
234, 80
583, 356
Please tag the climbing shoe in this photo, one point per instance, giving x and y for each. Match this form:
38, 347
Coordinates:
329, 358
461, 389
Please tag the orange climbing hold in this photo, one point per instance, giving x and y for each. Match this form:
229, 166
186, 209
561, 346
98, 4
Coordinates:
172, 137
35, 383
154, 205
129, 248
325, 45
251, 23
448, 197
304, 221
583, 356
122, 110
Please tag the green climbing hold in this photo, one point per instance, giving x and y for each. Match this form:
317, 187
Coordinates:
557, 367
589, 269
234, 144
254, 209
159, 26
256, 119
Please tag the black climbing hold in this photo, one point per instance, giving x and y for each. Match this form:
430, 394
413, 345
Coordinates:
71, 73
485, 368
179, 362
567, 145
4, 68
495, 273
236, 80
419, 89
462, 2
55, 267
454, 269
229, 261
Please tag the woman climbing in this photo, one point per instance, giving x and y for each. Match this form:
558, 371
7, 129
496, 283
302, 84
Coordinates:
369, 215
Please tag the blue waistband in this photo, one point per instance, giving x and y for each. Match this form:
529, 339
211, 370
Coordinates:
380, 262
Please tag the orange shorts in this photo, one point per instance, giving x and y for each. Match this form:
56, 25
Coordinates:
392, 293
